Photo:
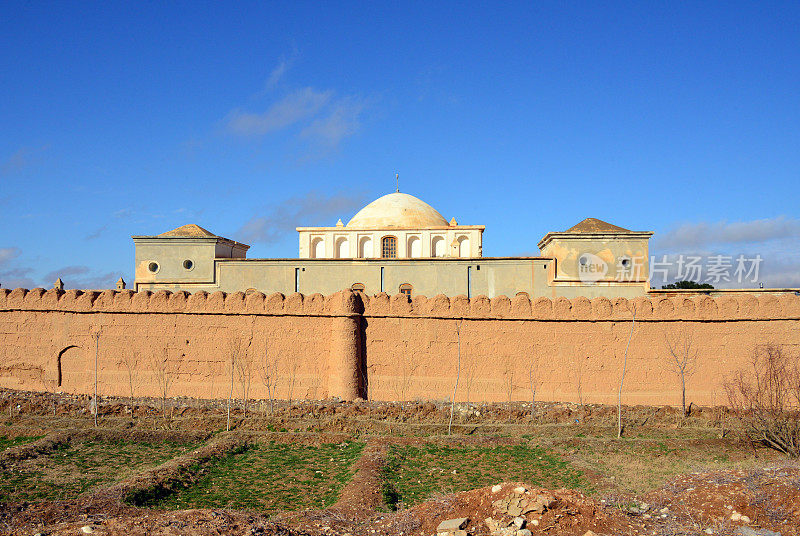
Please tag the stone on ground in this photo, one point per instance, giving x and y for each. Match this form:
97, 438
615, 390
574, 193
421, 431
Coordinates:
452, 525
747, 531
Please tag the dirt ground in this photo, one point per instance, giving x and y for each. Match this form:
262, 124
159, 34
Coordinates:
669, 475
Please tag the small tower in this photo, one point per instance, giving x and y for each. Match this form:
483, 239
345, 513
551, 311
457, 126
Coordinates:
59, 285
120, 284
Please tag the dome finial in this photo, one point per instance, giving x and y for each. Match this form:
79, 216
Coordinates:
397, 179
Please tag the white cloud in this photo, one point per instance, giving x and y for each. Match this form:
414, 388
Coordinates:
341, 121
123, 213
310, 209
13, 277
21, 159
774, 267
82, 277
17, 277
97, 233
775, 240
280, 70
297, 106
277, 73
7, 254
700, 234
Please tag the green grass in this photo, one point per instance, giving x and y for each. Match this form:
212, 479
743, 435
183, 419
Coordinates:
414, 474
272, 477
639, 465
72, 470
8, 442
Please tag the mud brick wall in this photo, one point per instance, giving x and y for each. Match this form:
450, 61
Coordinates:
383, 347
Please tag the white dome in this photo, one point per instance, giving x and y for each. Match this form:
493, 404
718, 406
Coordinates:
397, 210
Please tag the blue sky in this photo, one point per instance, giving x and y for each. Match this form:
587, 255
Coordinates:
253, 118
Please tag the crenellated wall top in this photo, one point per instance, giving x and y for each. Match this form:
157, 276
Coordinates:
344, 303
732, 306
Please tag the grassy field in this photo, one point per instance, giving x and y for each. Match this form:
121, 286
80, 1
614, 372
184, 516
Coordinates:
72, 470
8, 442
640, 463
272, 477
415, 474
562, 451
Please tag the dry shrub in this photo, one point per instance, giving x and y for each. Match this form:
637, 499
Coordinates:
766, 399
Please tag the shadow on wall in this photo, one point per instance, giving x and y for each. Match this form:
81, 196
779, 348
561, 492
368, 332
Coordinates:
70, 381
363, 368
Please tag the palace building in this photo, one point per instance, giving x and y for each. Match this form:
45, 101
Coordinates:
400, 244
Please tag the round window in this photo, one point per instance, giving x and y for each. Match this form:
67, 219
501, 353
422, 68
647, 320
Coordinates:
188, 264
626, 262
153, 267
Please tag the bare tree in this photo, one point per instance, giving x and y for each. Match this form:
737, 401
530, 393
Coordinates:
458, 376
244, 374
234, 348
766, 399
130, 361
49, 385
213, 377
269, 376
164, 371
292, 366
622, 379
533, 379
508, 377
469, 367
720, 416
682, 358
95, 401
408, 369
579, 380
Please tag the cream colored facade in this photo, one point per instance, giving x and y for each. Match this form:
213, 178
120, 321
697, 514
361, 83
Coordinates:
418, 231
397, 244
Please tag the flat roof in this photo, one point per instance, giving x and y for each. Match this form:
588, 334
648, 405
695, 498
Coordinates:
389, 229
210, 239
383, 259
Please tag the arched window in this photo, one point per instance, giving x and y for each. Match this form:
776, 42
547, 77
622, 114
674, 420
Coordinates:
437, 246
365, 248
463, 246
357, 287
318, 248
406, 289
389, 247
342, 248
414, 248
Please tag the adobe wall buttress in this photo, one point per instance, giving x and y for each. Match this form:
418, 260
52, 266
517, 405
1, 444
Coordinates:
385, 347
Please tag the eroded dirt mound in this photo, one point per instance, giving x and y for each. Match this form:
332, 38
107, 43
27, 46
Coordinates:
494, 509
725, 501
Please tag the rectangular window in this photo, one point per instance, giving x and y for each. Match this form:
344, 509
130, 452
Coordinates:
297, 279
389, 247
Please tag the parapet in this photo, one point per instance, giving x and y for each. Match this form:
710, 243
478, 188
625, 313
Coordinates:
730, 307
